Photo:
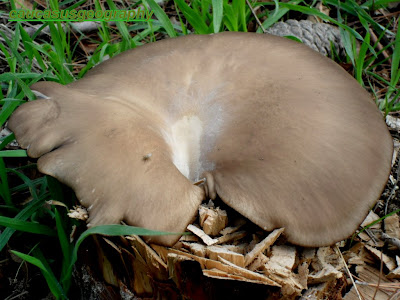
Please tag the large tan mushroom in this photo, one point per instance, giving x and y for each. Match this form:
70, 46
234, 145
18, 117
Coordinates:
282, 134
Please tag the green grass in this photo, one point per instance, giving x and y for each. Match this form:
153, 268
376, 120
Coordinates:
64, 57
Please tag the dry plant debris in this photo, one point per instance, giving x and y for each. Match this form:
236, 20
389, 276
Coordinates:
232, 252
79, 213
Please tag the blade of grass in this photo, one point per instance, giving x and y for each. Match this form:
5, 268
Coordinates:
23, 215
373, 4
390, 101
7, 55
395, 71
373, 223
183, 26
218, 12
62, 53
40, 262
241, 10
361, 59
122, 28
31, 52
27, 181
38, 31
36, 182
161, 16
26, 226
371, 62
14, 45
230, 18
6, 140
11, 76
13, 153
54, 5
353, 8
203, 8
278, 13
104, 31
195, 19
144, 33
4, 187
347, 39
73, 6
7, 109
66, 248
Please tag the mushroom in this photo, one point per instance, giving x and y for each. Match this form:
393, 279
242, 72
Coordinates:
282, 134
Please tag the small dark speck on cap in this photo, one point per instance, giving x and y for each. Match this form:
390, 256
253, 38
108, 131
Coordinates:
147, 156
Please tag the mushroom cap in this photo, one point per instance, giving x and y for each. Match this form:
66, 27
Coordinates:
283, 135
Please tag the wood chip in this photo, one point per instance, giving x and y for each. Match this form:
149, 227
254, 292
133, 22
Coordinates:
392, 231
369, 234
324, 290
258, 263
231, 237
388, 261
395, 274
328, 256
212, 220
302, 275
79, 213
326, 266
281, 261
328, 273
189, 238
371, 217
307, 255
201, 234
260, 247
178, 245
227, 267
280, 269
368, 286
356, 260
106, 267
161, 251
392, 226
394, 243
393, 122
112, 244
231, 254
248, 274
155, 264
355, 255
237, 248
218, 274
217, 252
231, 229
197, 249
215, 273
